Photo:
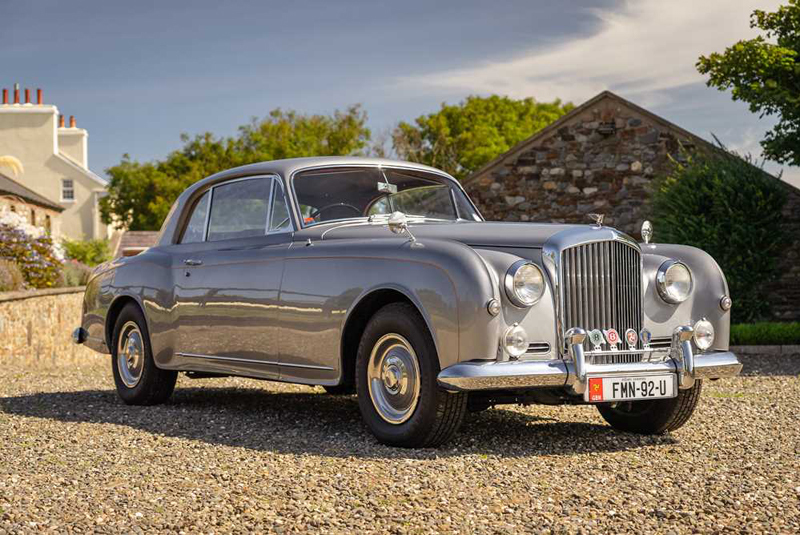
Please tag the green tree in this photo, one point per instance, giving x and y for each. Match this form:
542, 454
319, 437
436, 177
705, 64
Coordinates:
765, 73
461, 138
141, 194
731, 209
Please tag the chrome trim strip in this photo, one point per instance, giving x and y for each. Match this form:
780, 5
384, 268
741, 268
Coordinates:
254, 361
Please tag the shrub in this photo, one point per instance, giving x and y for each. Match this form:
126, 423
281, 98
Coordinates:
765, 333
31, 249
75, 273
11, 278
89, 252
730, 208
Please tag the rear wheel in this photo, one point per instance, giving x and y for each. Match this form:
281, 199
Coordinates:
396, 379
138, 380
653, 417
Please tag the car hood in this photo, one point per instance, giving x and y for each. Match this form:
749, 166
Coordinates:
475, 234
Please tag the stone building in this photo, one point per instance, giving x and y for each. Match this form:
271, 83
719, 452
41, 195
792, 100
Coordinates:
602, 157
55, 161
36, 209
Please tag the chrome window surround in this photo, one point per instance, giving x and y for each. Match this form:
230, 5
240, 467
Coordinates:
296, 206
551, 259
661, 283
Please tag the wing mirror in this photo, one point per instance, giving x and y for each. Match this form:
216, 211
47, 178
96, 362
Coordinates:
398, 223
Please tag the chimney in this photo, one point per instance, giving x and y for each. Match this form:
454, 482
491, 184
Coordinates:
16, 93
5, 96
61, 121
27, 96
39, 97
72, 121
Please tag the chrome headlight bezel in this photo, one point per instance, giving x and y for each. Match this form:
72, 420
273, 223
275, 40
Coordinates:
510, 282
661, 282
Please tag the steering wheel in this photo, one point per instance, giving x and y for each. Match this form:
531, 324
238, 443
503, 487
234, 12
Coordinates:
318, 211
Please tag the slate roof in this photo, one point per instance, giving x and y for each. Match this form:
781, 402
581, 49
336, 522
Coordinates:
10, 187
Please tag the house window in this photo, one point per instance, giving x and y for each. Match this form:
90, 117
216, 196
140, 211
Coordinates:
33, 217
67, 190
48, 225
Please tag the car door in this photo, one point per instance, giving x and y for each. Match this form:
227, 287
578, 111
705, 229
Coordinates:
229, 274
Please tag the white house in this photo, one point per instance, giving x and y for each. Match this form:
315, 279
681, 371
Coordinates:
55, 161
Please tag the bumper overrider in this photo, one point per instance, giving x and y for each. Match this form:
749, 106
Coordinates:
574, 371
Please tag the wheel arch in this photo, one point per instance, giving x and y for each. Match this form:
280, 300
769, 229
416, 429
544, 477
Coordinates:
362, 310
113, 313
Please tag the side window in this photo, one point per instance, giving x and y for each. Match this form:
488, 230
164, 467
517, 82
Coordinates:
196, 227
239, 209
280, 219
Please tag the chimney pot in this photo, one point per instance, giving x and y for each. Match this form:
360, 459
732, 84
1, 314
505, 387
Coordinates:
27, 96
72, 123
5, 96
39, 97
16, 93
61, 121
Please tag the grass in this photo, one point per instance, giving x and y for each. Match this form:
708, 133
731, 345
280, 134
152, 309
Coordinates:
765, 334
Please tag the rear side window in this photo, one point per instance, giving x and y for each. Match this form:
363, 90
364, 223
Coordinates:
239, 209
196, 229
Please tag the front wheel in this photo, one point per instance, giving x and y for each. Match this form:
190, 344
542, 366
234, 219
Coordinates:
652, 417
396, 380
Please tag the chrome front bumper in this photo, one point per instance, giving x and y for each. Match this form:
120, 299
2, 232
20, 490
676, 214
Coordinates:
574, 372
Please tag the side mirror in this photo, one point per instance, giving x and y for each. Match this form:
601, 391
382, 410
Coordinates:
398, 223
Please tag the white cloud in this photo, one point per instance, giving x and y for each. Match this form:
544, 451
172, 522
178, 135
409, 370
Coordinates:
641, 49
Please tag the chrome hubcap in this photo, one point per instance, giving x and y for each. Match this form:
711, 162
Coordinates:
130, 354
393, 378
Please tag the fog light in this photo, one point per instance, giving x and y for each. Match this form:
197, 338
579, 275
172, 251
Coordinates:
703, 334
515, 340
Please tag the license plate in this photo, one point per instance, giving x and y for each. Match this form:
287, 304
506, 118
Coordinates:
605, 389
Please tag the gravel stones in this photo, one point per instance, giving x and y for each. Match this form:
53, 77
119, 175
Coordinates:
237, 455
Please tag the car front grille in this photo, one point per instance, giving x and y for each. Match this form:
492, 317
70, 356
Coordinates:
602, 287
620, 357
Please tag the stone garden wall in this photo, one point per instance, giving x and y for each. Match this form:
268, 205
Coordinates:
36, 327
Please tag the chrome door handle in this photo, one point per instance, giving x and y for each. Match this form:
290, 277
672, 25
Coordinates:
191, 262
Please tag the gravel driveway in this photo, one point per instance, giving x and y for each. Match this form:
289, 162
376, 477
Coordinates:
241, 455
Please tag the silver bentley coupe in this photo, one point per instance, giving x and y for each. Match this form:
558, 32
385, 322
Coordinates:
381, 278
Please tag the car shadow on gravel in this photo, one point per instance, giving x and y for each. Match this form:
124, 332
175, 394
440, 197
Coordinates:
317, 424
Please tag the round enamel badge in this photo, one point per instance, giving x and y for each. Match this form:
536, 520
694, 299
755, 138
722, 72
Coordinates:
631, 337
612, 336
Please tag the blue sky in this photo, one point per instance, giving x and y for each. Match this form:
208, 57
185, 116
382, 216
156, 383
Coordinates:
138, 74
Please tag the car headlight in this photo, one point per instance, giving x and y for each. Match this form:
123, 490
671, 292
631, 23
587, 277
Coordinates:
674, 281
524, 283
703, 334
515, 340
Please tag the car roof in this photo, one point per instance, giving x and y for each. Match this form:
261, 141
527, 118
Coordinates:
287, 167
283, 168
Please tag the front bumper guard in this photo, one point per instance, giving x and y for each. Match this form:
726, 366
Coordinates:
574, 372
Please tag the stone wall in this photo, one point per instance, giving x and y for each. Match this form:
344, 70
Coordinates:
602, 161
36, 327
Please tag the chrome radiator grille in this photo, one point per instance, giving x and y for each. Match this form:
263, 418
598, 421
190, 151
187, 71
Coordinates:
602, 287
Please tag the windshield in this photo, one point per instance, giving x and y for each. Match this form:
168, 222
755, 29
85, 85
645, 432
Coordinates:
351, 193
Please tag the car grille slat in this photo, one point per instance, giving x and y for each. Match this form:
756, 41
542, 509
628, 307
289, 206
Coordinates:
602, 287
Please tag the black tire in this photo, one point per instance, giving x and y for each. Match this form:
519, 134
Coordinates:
154, 385
653, 417
438, 413
340, 390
